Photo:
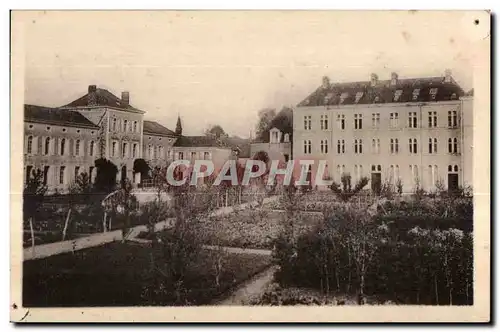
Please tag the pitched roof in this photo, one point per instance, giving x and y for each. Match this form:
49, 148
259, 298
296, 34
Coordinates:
154, 128
56, 116
199, 141
102, 98
383, 92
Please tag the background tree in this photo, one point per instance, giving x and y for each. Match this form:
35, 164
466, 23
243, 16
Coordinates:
105, 180
33, 194
215, 131
142, 167
266, 115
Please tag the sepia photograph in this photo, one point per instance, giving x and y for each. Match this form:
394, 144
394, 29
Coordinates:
274, 166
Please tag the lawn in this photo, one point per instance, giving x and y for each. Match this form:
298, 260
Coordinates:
116, 274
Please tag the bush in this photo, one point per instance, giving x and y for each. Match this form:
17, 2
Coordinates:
411, 260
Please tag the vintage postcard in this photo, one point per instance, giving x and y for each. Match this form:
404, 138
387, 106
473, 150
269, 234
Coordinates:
250, 166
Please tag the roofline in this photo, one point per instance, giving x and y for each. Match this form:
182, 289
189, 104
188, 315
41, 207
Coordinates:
104, 106
378, 105
62, 124
144, 132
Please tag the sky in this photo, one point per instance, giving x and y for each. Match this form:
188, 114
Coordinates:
223, 67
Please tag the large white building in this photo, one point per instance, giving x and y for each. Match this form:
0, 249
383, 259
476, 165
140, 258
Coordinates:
418, 131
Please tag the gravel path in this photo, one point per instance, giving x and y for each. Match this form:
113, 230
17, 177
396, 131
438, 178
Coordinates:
250, 289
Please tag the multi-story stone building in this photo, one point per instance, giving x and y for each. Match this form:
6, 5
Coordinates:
65, 141
417, 131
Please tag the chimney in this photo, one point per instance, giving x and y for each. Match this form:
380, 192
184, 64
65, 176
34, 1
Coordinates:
373, 79
447, 76
92, 95
125, 98
394, 78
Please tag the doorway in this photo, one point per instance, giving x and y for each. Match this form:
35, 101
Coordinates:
376, 179
124, 173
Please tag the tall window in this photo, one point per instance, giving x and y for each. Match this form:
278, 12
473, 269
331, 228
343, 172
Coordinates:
413, 146
323, 122
358, 172
375, 120
376, 145
46, 174
150, 152
113, 149
91, 148
340, 146
30, 144
181, 155
135, 126
358, 146
433, 119
452, 119
394, 174
46, 149
125, 124
91, 175
433, 145
77, 147
134, 150
62, 172
433, 175
307, 147
124, 150
29, 170
161, 153
394, 143
324, 146
412, 120
394, 120
341, 121
206, 155
307, 122
340, 171
114, 124
358, 121
453, 145
193, 155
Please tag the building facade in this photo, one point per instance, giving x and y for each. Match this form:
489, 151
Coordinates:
413, 132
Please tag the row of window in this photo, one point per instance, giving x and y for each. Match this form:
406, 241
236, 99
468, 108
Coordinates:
48, 145
453, 146
194, 155
49, 128
61, 176
124, 125
394, 171
125, 150
413, 121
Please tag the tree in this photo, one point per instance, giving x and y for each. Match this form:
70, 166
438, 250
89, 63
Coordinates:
81, 185
345, 191
141, 166
178, 126
215, 131
266, 115
105, 180
33, 194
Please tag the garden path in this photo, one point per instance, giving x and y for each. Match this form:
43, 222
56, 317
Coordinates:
250, 289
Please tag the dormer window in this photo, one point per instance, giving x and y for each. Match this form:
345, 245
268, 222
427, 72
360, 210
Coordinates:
359, 95
433, 93
343, 97
275, 135
416, 92
287, 138
397, 95
453, 96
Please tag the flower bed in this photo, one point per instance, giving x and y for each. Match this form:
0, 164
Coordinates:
116, 274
